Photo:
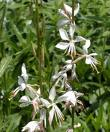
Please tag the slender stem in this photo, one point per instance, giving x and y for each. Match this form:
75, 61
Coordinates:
72, 118
78, 59
40, 50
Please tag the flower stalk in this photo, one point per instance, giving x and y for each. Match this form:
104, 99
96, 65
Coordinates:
48, 108
40, 41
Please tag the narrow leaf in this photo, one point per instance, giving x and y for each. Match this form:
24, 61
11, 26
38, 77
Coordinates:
4, 64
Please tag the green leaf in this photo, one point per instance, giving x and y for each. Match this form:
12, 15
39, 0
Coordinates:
4, 64
13, 122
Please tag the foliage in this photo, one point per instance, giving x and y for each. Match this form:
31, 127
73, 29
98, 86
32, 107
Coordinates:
18, 45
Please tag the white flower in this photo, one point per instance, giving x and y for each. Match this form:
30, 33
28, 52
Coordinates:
68, 97
68, 65
67, 13
22, 80
54, 111
61, 77
32, 126
86, 46
68, 43
35, 102
90, 57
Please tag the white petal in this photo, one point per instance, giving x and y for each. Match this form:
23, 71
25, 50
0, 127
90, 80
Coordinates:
68, 61
23, 69
72, 30
72, 48
63, 34
92, 61
62, 45
69, 97
93, 54
74, 76
24, 104
22, 87
88, 60
62, 22
86, 46
20, 80
52, 93
51, 115
79, 39
24, 73
43, 114
68, 67
21, 83
31, 126
24, 99
64, 75
68, 9
59, 114
38, 91
78, 94
76, 10
62, 12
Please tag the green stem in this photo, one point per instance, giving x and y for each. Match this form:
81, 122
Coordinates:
40, 51
72, 114
78, 59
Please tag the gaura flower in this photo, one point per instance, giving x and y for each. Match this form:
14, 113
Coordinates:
68, 43
54, 111
71, 97
22, 82
35, 102
68, 97
66, 12
60, 77
90, 57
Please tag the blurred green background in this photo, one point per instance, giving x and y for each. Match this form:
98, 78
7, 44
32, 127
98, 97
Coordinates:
18, 45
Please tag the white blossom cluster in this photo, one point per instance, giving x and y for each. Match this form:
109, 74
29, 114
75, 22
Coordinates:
42, 106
